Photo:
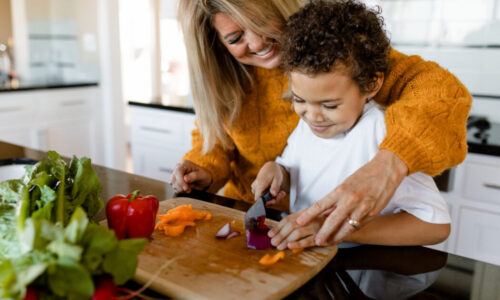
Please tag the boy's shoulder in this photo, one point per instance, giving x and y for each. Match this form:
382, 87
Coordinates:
373, 114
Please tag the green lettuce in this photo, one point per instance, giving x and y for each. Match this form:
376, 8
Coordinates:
47, 239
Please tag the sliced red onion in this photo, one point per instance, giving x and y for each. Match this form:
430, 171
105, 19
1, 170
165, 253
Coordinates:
258, 239
224, 231
233, 234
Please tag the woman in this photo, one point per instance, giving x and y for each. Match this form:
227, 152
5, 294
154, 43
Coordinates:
233, 52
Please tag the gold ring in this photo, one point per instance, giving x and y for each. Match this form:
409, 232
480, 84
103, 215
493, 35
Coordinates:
354, 223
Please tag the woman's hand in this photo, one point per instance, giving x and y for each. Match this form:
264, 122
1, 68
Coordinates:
274, 177
289, 234
188, 175
364, 193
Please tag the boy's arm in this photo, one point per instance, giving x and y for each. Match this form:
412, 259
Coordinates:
401, 229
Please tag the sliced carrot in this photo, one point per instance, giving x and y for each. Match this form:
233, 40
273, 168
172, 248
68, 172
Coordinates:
297, 250
271, 259
177, 219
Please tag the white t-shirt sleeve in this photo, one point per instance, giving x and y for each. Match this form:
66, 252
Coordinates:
419, 196
288, 157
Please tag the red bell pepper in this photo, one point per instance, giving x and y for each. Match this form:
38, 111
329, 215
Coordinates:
132, 216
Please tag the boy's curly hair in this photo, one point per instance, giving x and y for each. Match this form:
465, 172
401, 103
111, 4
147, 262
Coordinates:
325, 34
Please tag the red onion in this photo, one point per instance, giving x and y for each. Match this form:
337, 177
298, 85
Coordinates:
233, 234
258, 239
224, 231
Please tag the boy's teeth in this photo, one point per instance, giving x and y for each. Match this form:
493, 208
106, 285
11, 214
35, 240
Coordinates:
265, 51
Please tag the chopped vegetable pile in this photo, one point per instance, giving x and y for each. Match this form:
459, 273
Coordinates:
48, 243
177, 219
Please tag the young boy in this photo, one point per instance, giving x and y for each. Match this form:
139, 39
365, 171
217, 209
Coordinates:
337, 54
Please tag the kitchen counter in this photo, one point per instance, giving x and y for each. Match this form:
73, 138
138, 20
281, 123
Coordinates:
375, 271
30, 86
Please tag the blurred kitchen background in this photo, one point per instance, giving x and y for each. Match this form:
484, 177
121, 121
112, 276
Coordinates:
108, 79
132, 50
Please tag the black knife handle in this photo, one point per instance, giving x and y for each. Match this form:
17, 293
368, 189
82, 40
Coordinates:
266, 196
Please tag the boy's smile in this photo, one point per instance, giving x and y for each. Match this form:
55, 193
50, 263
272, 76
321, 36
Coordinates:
330, 102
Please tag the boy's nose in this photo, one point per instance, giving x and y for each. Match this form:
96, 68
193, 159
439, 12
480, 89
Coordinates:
315, 115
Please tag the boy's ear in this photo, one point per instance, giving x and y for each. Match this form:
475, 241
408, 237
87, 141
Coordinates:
377, 84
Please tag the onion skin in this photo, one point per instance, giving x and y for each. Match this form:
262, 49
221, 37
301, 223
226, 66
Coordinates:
233, 234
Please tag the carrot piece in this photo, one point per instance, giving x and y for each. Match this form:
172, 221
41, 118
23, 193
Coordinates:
269, 260
176, 219
177, 229
297, 250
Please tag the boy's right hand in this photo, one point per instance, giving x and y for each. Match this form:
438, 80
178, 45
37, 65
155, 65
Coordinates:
188, 175
271, 176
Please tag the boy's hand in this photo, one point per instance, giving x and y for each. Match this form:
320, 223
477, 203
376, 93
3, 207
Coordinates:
188, 175
288, 234
274, 177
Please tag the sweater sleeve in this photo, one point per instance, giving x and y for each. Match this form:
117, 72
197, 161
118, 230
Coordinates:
217, 162
426, 115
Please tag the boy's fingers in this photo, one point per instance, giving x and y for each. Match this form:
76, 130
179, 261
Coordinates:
283, 233
303, 243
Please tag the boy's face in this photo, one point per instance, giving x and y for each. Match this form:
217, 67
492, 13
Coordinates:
330, 103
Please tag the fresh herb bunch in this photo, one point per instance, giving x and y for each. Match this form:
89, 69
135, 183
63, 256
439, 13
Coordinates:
46, 238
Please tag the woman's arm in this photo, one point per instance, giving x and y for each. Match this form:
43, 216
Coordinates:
426, 115
401, 229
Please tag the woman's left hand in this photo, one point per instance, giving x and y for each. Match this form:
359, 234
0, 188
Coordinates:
365, 193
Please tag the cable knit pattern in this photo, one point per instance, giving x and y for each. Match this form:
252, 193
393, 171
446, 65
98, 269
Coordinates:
426, 114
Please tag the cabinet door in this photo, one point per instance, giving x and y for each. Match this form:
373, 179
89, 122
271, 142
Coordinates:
479, 235
155, 162
68, 138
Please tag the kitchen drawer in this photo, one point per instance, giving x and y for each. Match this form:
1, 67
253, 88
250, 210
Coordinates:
16, 109
155, 162
479, 235
162, 128
67, 103
482, 182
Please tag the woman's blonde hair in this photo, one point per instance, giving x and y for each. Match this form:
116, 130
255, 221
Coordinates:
218, 81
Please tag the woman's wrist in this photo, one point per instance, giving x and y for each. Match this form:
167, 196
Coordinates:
394, 162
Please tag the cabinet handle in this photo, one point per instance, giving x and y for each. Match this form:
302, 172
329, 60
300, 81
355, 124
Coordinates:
166, 170
147, 128
491, 186
11, 109
72, 102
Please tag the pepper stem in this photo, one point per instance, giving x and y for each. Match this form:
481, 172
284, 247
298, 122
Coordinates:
134, 195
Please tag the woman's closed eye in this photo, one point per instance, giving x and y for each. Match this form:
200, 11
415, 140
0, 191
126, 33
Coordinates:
235, 39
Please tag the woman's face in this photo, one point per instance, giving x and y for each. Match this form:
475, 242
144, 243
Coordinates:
246, 46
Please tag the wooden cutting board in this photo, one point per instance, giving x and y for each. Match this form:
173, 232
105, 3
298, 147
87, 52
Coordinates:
196, 265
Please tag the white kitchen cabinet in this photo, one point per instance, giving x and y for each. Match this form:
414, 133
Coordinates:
159, 139
479, 234
475, 203
54, 119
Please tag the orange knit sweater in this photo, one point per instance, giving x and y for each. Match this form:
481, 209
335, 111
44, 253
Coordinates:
427, 109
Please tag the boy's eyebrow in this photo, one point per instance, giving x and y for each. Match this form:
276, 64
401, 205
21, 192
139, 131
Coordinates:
322, 101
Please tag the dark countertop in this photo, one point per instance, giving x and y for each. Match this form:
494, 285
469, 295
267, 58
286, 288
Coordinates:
29, 86
161, 106
380, 272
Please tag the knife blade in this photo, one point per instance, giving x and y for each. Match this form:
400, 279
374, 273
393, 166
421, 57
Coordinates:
257, 209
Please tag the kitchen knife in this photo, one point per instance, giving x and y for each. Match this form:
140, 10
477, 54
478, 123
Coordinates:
257, 209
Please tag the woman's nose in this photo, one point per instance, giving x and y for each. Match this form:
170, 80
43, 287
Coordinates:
255, 42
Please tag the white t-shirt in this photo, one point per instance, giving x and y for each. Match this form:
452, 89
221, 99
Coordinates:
318, 165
